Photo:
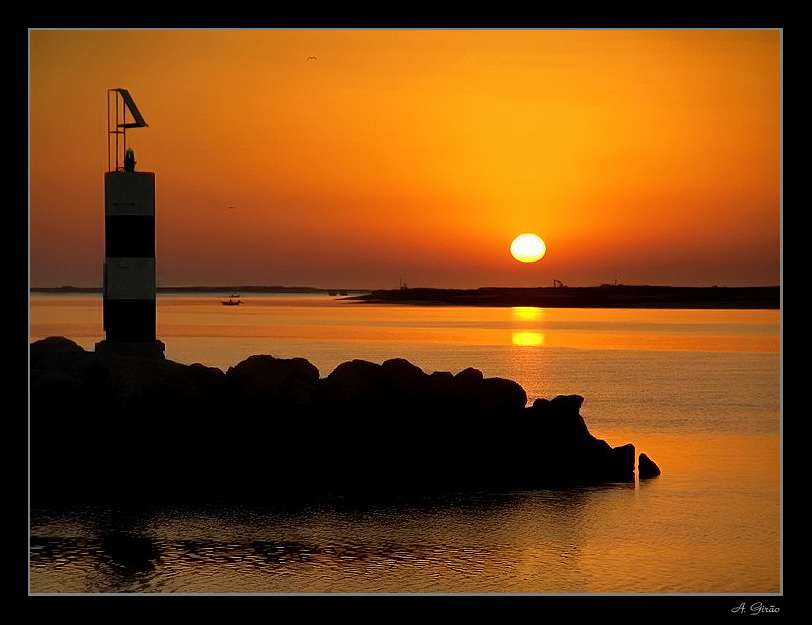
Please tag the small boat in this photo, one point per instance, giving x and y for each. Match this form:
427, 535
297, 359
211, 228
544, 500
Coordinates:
231, 301
333, 293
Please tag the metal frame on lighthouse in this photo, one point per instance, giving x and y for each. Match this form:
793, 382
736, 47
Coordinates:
129, 237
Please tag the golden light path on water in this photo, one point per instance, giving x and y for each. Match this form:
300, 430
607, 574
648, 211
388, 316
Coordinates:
304, 320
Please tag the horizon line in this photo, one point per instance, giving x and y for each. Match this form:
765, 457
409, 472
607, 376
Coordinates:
227, 287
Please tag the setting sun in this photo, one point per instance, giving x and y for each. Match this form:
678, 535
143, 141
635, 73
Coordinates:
528, 248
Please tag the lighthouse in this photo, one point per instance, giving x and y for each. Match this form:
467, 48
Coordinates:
129, 239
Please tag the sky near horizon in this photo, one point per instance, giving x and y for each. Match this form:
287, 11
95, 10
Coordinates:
362, 158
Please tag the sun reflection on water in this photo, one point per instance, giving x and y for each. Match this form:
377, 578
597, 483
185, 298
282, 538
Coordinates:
528, 339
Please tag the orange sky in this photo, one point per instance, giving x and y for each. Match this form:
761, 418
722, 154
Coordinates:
650, 157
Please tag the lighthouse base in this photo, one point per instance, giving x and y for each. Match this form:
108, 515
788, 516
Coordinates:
150, 350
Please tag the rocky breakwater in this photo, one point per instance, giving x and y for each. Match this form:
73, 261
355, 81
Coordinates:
111, 428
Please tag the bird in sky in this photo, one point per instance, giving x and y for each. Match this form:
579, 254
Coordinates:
312, 58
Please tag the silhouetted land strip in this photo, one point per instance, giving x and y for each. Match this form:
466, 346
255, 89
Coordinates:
109, 428
605, 296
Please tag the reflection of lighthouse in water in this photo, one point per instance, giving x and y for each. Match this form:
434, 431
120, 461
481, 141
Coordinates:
129, 242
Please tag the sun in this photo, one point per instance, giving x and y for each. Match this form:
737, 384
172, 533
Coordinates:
528, 248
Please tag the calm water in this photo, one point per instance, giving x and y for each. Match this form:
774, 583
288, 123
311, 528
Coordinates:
698, 391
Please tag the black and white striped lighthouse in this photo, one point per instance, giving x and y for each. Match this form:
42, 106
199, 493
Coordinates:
129, 239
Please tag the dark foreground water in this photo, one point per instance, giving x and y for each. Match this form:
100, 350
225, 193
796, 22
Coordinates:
612, 539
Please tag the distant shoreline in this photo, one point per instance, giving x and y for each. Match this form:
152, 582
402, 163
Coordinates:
604, 296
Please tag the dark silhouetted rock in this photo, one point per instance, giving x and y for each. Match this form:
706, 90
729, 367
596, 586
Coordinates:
356, 382
56, 352
503, 394
264, 378
149, 429
646, 468
466, 385
405, 383
560, 418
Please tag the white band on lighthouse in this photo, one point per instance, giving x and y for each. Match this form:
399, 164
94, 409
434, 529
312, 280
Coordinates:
130, 278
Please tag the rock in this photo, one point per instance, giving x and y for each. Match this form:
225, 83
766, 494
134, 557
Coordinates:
107, 426
560, 419
466, 384
55, 352
441, 382
400, 367
357, 382
646, 468
63, 386
405, 383
59, 358
501, 394
263, 379
569, 453
620, 464
469, 375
